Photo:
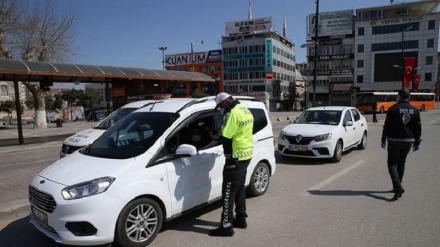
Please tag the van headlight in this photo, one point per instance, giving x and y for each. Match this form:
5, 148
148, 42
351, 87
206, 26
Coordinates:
323, 137
89, 188
283, 135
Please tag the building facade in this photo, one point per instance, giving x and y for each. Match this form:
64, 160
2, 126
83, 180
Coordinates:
364, 49
259, 62
206, 62
387, 34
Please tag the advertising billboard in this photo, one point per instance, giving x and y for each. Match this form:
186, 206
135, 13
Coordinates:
198, 57
249, 26
331, 23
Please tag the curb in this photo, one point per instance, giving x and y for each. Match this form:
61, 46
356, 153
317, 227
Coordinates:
13, 209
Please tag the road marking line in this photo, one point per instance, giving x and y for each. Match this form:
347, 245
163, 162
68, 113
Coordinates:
332, 178
433, 121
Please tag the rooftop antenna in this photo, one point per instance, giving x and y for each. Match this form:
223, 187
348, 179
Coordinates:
250, 11
285, 28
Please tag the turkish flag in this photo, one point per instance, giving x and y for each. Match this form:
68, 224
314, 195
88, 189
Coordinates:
410, 62
416, 83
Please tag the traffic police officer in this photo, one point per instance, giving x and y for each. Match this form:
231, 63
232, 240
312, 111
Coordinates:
237, 140
402, 129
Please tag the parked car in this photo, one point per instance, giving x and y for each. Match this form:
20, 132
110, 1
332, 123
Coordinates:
141, 172
324, 132
82, 138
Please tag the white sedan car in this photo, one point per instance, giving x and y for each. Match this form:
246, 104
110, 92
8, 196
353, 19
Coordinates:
324, 132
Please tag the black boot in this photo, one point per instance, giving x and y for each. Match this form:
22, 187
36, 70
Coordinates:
399, 192
240, 222
222, 232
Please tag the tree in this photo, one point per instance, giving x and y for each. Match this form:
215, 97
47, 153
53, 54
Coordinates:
8, 106
38, 32
92, 97
73, 98
199, 93
53, 102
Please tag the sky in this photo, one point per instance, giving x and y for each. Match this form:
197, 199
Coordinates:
129, 33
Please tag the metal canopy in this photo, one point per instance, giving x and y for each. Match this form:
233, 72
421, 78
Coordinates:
59, 72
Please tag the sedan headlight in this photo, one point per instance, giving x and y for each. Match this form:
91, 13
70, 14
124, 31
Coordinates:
323, 137
283, 135
89, 188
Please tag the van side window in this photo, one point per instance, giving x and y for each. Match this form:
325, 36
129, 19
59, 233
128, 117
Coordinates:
260, 120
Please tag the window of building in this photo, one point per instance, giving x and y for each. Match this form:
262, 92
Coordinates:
360, 79
415, 26
360, 63
431, 25
336, 50
3, 90
360, 48
430, 43
429, 60
361, 31
428, 77
412, 44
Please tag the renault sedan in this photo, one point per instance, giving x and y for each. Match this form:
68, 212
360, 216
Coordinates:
324, 132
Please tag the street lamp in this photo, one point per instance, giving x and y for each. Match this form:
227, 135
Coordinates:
403, 54
163, 48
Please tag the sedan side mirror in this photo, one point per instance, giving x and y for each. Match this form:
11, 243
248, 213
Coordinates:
348, 123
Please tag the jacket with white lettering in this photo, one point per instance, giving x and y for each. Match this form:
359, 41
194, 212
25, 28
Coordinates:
402, 124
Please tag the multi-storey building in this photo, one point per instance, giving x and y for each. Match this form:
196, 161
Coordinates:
387, 34
333, 82
259, 62
366, 51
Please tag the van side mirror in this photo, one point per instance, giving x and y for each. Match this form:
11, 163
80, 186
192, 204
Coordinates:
186, 150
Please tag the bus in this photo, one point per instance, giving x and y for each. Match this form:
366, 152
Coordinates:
364, 101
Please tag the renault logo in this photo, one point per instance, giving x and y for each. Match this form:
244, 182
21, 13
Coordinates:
298, 138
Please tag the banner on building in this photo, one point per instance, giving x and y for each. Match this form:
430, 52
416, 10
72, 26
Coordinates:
416, 83
410, 62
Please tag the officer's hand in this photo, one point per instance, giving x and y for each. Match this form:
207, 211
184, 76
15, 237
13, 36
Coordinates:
383, 145
415, 147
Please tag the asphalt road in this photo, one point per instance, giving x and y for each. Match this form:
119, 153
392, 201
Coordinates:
312, 203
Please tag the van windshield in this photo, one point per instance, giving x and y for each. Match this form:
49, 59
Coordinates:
114, 117
131, 136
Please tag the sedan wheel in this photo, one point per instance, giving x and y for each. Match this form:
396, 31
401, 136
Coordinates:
259, 180
139, 223
363, 144
337, 155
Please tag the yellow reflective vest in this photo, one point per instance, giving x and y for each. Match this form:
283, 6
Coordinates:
237, 125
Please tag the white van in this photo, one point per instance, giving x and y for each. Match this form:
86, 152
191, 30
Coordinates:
85, 137
143, 171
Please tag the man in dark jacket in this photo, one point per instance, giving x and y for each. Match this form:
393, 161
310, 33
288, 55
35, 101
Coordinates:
374, 111
402, 130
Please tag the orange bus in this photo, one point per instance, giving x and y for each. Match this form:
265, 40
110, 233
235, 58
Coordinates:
364, 101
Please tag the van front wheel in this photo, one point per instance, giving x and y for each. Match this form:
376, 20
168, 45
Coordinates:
138, 223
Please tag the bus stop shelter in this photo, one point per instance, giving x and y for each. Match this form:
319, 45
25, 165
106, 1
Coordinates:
46, 73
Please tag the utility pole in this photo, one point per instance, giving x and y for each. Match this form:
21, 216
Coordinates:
315, 67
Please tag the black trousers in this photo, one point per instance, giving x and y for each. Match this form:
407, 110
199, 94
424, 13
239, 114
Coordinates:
233, 190
397, 153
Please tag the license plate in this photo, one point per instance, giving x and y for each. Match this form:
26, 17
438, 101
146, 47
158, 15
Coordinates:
39, 215
298, 148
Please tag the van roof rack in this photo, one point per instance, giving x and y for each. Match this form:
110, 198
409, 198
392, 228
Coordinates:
208, 98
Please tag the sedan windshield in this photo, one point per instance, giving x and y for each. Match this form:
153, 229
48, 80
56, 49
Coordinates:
114, 117
131, 136
320, 117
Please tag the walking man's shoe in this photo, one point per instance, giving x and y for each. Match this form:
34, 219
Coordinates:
222, 232
399, 192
